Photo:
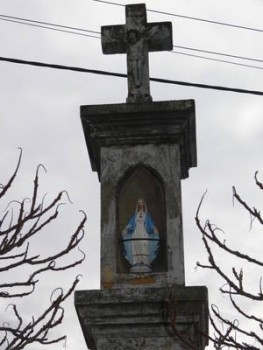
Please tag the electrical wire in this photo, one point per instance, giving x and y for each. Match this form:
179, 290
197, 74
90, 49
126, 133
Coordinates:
50, 24
216, 59
218, 53
47, 25
121, 75
189, 17
32, 23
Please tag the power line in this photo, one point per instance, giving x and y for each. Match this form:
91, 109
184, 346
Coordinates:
121, 75
50, 26
218, 53
32, 23
216, 59
189, 17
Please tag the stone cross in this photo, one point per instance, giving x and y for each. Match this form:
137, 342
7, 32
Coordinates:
136, 38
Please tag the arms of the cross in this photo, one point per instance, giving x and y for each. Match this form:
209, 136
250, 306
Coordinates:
137, 38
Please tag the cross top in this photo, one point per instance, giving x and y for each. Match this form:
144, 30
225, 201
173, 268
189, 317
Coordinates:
136, 38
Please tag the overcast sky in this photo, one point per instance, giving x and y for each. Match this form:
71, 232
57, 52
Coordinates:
39, 111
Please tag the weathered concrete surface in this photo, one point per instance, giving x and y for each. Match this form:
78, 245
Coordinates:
168, 122
159, 136
115, 161
149, 311
150, 319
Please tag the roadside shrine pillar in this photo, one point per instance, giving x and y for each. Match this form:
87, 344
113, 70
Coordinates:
141, 150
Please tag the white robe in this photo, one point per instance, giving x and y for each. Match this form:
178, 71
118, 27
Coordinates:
140, 248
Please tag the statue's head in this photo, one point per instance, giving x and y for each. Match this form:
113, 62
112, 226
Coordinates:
132, 36
140, 204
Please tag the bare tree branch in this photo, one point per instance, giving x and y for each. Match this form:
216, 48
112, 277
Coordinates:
17, 228
230, 334
4, 188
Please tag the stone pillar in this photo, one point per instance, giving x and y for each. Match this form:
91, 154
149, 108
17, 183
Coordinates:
171, 318
142, 151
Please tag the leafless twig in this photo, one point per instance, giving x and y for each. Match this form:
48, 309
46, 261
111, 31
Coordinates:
17, 228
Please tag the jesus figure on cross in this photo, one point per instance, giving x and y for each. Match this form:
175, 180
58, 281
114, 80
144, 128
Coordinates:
137, 38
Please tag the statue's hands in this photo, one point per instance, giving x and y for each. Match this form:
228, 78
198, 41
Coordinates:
155, 231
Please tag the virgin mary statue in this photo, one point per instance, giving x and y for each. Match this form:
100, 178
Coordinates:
141, 239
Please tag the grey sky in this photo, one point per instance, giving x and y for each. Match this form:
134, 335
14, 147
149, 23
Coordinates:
39, 111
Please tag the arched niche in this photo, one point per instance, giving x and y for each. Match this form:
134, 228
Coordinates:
138, 182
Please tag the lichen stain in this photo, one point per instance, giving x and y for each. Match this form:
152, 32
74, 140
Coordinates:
107, 285
107, 279
142, 280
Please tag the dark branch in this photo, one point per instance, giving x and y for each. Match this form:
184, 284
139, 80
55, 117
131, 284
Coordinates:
230, 333
17, 228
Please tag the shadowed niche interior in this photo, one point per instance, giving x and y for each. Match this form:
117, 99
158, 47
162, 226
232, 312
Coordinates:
141, 182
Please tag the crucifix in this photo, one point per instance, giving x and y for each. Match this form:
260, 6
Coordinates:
136, 38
